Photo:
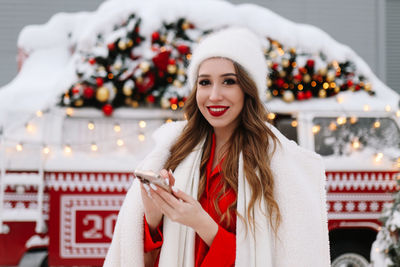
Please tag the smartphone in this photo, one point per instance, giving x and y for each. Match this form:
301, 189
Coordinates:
148, 177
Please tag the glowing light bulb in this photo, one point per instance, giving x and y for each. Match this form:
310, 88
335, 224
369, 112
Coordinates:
271, 116
174, 106
341, 120
377, 124
117, 128
356, 143
30, 127
39, 113
168, 120
294, 123
90, 125
398, 113
46, 150
94, 147
142, 124
340, 99
353, 120
378, 157
332, 126
388, 108
19, 147
315, 129
67, 149
69, 111
366, 108
120, 142
141, 137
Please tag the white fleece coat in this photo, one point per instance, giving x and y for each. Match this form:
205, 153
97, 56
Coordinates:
300, 193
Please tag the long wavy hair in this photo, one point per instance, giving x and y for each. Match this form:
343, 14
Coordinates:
252, 137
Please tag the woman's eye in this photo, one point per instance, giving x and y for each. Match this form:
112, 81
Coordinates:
204, 82
229, 81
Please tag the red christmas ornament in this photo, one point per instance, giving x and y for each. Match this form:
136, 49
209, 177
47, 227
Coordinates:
303, 70
137, 29
107, 109
161, 60
92, 61
301, 95
88, 92
174, 100
183, 49
160, 74
349, 83
76, 89
138, 40
146, 84
310, 63
184, 99
308, 95
298, 77
111, 46
99, 81
155, 36
358, 87
275, 66
280, 82
151, 99
171, 61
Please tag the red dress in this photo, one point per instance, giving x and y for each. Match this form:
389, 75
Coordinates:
222, 251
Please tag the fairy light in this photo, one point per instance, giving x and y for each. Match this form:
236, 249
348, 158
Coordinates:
378, 157
366, 108
90, 126
174, 106
46, 150
325, 85
315, 129
30, 127
341, 120
39, 113
398, 113
142, 124
353, 120
141, 137
120, 142
356, 143
94, 147
332, 126
19, 147
69, 112
377, 124
271, 116
168, 120
388, 108
294, 123
117, 128
340, 99
67, 149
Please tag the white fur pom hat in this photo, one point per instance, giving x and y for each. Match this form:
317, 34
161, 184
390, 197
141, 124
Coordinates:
237, 44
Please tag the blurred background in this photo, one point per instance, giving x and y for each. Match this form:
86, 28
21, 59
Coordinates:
370, 27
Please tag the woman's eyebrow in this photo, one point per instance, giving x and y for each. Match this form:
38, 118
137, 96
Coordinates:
222, 75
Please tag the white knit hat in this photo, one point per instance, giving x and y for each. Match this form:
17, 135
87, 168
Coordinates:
237, 44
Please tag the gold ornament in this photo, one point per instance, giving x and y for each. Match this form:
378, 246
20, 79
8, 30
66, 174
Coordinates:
268, 95
285, 62
282, 73
367, 87
127, 90
288, 96
122, 45
128, 101
117, 66
78, 103
129, 43
185, 25
165, 103
139, 79
292, 50
306, 78
144, 66
181, 71
135, 104
330, 77
177, 83
269, 83
171, 68
337, 89
322, 71
102, 94
322, 93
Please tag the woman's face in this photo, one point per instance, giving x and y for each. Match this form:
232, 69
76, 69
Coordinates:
218, 96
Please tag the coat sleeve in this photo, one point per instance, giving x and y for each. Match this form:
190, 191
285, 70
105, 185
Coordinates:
154, 240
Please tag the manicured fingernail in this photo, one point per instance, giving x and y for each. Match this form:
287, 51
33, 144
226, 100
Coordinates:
170, 171
167, 181
146, 187
149, 195
175, 189
153, 187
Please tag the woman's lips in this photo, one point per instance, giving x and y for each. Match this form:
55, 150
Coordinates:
217, 111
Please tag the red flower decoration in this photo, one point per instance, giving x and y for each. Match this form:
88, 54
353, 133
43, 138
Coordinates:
107, 109
161, 60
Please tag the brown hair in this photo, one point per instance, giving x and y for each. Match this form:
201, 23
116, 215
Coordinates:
252, 137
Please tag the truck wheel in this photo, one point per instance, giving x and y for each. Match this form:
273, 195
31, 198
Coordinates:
350, 260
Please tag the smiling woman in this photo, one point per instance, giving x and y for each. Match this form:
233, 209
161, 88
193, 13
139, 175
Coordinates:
234, 201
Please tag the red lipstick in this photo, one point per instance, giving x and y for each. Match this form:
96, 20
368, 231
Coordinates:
217, 111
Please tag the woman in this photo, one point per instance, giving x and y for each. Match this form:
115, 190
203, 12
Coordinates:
242, 193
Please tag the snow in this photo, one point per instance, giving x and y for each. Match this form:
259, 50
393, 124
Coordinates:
53, 52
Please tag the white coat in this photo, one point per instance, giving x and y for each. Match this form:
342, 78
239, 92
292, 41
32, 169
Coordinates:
300, 193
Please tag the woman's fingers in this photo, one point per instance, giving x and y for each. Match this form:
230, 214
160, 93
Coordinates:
182, 195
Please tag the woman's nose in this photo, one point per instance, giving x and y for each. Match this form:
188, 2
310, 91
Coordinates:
215, 93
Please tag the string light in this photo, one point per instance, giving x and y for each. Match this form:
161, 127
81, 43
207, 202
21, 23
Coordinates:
141, 137
332, 126
46, 150
142, 124
19, 147
341, 120
316, 129
294, 123
67, 149
271, 116
398, 113
39, 113
366, 108
69, 111
378, 157
340, 99
117, 128
90, 125
388, 108
120, 142
353, 120
168, 120
174, 106
30, 127
377, 124
94, 147
356, 143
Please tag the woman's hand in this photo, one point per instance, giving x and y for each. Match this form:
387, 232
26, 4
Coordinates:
151, 210
184, 209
